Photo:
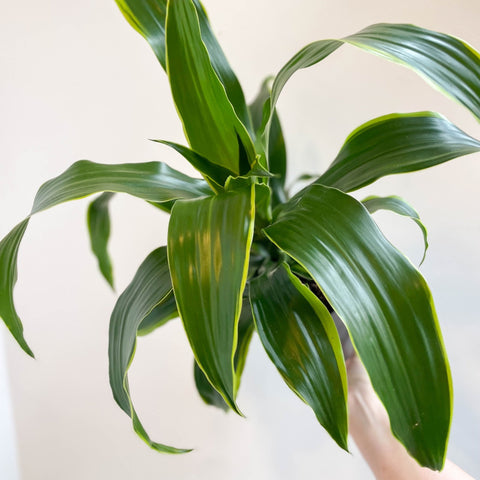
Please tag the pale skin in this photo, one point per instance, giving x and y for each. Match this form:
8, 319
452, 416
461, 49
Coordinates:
370, 429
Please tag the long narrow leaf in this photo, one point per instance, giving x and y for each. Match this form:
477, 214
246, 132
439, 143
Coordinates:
148, 288
98, 221
210, 122
213, 172
147, 17
385, 304
245, 331
449, 64
154, 182
401, 207
446, 62
8, 277
301, 339
396, 143
208, 249
222, 68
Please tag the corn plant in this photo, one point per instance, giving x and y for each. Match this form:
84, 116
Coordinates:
243, 256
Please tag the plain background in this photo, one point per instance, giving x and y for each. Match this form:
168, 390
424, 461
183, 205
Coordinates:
77, 82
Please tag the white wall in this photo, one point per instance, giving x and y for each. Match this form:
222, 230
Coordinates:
76, 82
8, 441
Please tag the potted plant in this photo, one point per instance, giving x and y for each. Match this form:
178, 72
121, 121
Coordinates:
242, 256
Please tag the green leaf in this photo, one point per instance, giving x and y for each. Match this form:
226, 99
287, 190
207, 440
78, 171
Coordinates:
163, 312
447, 63
215, 173
164, 206
401, 207
301, 339
277, 154
8, 277
154, 182
385, 304
222, 68
98, 221
210, 122
245, 331
150, 285
207, 393
396, 143
246, 327
147, 17
209, 243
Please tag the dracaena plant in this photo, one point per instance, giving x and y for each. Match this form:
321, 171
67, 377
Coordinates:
243, 257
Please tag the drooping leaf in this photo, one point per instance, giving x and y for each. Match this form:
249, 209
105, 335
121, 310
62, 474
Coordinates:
447, 63
277, 154
396, 143
213, 172
150, 285
8, 277
163, 312
401, 207
301, 339
306, 57
98, 221
154, 182
208, 249
245, 331
147, 17
385, 304
210, 122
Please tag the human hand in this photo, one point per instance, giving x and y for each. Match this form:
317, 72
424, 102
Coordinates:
370, 428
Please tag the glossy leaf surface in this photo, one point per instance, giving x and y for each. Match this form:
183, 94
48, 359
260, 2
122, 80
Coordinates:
396, 143
148, 288
385, 304
209, 243
147, 17
245, 331
154, 182
98, 221
222, 68
301, 339
210, 123
444, 61
213, 172
401, 207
